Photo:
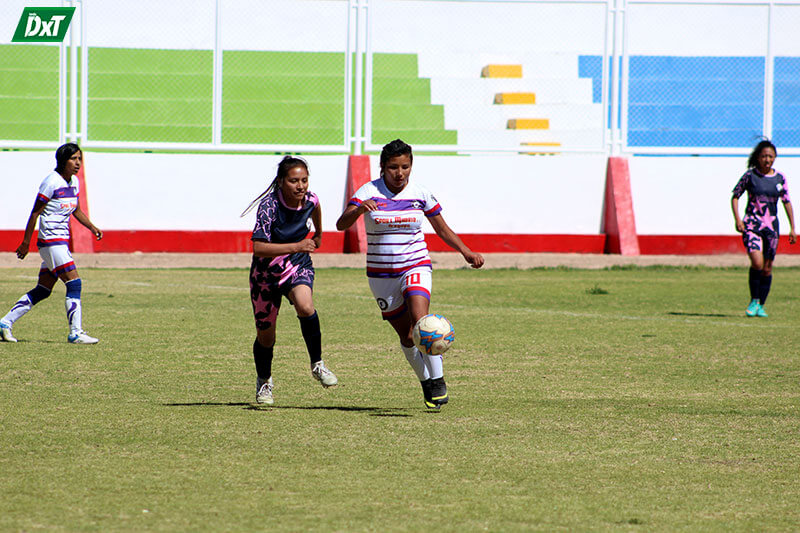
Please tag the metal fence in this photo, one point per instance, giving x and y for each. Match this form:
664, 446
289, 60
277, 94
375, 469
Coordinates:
447, 76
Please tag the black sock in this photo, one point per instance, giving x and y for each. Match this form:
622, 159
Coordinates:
263, 358
755, 283
763, 290
309, 325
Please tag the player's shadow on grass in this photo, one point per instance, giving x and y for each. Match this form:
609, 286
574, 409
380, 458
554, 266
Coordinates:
372, 411
709, 315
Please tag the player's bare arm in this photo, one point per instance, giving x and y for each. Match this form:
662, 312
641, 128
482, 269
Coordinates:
790, 215
81, 217
351, 214
25, 245
454, 241
273, 249
316, 220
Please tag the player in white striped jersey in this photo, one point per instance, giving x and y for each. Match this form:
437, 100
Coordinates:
398, 264
56, 201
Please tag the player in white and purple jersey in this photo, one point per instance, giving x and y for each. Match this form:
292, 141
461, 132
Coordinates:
759, 227
56, 202
398, 265
282, 267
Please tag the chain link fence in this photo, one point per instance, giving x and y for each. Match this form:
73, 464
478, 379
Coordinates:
448, 76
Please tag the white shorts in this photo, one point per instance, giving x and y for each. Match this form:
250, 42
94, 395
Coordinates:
391, 293
56, 259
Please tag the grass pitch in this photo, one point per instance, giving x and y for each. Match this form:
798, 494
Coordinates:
623, 399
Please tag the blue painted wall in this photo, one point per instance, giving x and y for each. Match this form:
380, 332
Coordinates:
704, 101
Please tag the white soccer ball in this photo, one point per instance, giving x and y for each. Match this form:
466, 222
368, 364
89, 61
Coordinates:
433, 334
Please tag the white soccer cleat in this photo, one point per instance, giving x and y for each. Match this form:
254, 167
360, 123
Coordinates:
81, 338
5, 333
323, 375
264, 391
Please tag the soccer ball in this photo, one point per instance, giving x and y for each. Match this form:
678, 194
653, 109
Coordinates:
433, 334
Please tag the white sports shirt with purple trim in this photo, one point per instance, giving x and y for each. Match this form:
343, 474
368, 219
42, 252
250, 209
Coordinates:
395, 242
61, 199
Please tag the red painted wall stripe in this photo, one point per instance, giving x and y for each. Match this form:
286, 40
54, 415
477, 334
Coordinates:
128, 241
619, 223
81, 239
358, 173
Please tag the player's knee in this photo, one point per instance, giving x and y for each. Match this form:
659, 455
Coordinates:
38, 293
266, 337
305, 309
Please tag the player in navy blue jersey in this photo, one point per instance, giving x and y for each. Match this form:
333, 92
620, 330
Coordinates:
759, 227
56, 202
282, 267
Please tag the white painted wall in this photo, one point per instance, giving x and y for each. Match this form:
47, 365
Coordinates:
479, 194
489, 194
692, 195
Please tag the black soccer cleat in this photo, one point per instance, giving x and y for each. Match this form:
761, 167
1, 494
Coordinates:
435, 392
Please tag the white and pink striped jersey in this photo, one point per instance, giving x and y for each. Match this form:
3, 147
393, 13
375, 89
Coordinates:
395, 242
61, 199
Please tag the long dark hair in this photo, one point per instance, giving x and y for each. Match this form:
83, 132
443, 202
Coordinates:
286, 164
63, 153
752, 161
394, 149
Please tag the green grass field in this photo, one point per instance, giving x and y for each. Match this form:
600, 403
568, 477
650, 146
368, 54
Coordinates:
627, 399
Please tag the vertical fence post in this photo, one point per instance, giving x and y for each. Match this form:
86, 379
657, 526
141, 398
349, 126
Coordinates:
358, 135
73, 83
84, 102
616, 76
216, 105
605, 78
769, 75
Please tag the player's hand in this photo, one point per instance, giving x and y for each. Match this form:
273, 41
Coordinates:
740, 226
367, 205
474, 259
97, 233
23, 249
792, 237
306, 245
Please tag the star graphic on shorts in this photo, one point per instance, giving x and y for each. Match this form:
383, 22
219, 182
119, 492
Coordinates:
766, 221
261, 306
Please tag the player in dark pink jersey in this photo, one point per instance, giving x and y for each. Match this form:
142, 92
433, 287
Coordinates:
282, 266
759, 227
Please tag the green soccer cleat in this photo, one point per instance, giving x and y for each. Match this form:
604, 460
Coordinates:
761, 313
752, 309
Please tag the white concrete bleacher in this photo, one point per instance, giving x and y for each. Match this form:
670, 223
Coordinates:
563, 101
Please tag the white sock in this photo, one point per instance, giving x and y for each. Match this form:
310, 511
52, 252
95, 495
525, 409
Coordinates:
22, 306
415, 360
73, 307
434, 365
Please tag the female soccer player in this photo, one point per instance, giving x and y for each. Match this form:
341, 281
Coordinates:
282, 267
759, 228
56, 201
398, 265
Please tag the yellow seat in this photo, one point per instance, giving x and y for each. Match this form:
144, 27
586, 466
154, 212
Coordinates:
515, 98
